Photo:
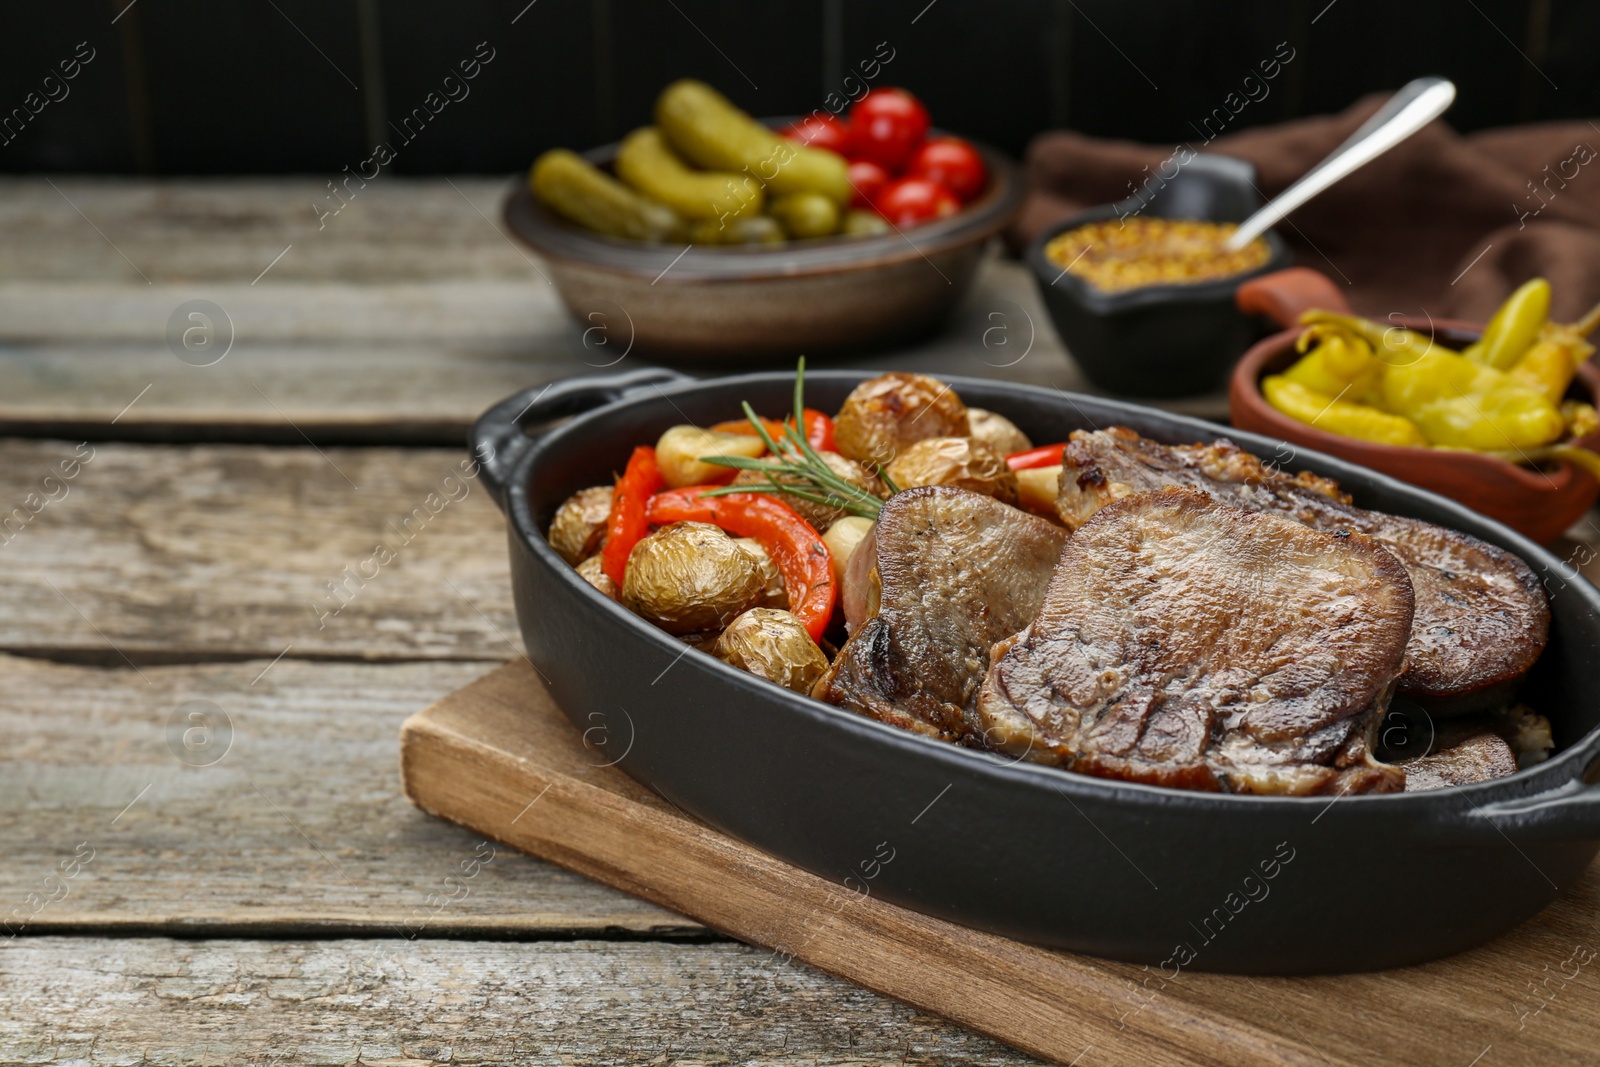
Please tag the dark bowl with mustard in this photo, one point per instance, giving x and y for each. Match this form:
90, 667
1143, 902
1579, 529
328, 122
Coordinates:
1159, 340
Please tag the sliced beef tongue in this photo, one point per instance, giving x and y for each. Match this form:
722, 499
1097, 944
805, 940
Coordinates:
1481, 619
1186, 643
946, 574
1469, 753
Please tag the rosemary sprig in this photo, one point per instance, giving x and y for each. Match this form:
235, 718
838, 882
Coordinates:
794, 458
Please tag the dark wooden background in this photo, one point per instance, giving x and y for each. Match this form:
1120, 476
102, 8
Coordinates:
275, 86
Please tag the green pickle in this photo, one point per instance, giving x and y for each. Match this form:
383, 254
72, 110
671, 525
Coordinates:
806, 215
580, 192
754, 230
708, 131
647, 163
858, 223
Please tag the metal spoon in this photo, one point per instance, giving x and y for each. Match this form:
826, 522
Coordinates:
1417, 103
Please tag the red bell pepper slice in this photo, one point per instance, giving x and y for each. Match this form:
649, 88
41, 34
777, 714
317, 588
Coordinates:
819, 428
793, 544
1032, 458
626, 525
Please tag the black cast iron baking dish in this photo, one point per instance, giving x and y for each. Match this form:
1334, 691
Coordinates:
1174, 879
1124, 341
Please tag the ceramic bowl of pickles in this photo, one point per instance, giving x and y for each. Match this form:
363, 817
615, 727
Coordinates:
1498, 416
777, 263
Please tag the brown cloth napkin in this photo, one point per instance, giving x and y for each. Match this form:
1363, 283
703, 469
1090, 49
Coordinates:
1444, 223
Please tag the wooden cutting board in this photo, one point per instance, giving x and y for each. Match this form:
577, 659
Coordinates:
500, 758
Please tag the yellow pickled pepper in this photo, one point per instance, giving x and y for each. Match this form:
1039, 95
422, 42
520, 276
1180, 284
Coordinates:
1327, 411
1514, 327
1454, 401
1549, 364
1340, 365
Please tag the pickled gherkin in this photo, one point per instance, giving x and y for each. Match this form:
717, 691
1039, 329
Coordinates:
858, 223
752, 230
580, 192
707, 130
646, 162
806, 215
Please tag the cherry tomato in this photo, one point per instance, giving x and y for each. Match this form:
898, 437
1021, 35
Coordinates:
868, 179
820, 131
952, 161
886, 126
912, 200
819, 429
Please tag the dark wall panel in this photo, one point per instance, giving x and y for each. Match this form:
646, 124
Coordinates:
537, 92
983, 69
255, 85
1564, 84
1361, 46
283, 86
1156, 73
767, 57
78, 123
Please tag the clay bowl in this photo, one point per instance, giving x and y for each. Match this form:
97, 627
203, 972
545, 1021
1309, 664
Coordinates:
742, 305
1538, 502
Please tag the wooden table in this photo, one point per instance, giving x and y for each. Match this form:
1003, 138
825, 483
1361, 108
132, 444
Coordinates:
207, 857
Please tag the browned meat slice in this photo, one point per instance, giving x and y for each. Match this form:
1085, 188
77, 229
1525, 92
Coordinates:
1475, 754
944, 574
1189, 644
1481, 619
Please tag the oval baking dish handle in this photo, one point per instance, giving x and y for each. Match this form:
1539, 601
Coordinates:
1570, 814
501, 435
1282, 295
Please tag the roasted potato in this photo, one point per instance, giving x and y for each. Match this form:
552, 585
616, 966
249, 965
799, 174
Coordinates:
773, 594
678, 453
579, 527
958, 461
884, 415
996, 431
690, 577
592, 572
773, 645
821, 516
842, 539
1037, 490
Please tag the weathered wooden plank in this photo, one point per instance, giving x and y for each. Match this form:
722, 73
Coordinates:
157, 1002
473, 756
255, 797
227, 230
399, 318
399, 392
156, 552
404, 355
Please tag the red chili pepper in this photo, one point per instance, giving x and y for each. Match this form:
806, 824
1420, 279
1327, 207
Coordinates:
626, 524
819, 428
1030, 458
793, 544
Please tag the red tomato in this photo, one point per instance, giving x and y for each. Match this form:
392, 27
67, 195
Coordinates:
820, 131
952, 161
912, 200
869, 180
886, 126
